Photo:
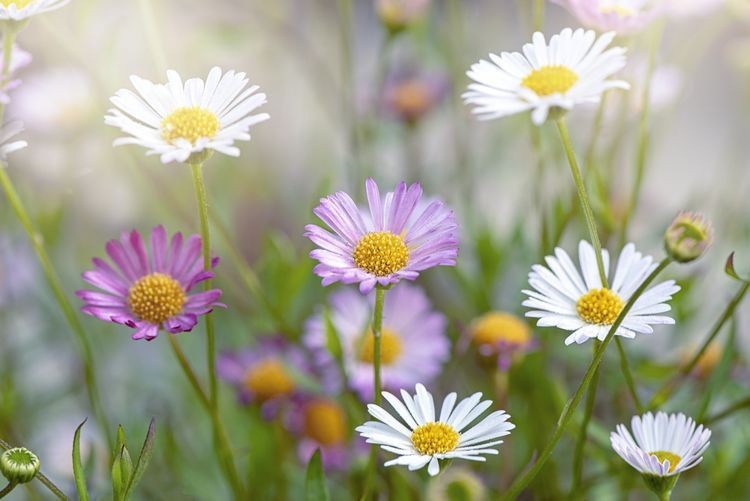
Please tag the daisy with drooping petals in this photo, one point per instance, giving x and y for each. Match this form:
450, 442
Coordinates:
148, 293
396, 239
419, 439
547, 78
663, 446
176, 120
575, 301
18, 10
621, 16
8, 131
414, 345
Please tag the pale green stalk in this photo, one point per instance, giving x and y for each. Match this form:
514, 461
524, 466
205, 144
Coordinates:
581, 439
538, 15
151, 27
629, 381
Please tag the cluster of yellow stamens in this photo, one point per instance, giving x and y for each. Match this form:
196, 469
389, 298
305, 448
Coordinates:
325, 422
549, 80
434, 438
390, 347
156, 297
18, 3
496, 327
191, 123
599, 307
381, 253
268, 379
674, 459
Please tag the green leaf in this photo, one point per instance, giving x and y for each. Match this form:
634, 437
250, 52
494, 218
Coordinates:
78, 474
122, 468
143, 459
729, 269
121, 441
315, 481
332, 337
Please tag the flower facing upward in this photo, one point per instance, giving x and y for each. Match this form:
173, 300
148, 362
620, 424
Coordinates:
178, 121
621, 16
688, 237
18, 10
664, 445
397, 238
19, 465
414, 345
575, 301
547, 78
150, 293
422, 439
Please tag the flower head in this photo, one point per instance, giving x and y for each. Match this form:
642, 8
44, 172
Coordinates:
688, 237
185, 122
148, 293
500, 335
575, 301
419, 439
19, 465
321, 423
410, 95
414, 345
8, 131
547, 78
397, 15
621, 16
396, 239
19, 10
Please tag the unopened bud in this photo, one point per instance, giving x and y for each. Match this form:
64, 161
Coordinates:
19, 465
688, 237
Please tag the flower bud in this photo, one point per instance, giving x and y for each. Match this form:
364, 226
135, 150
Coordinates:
688, 237
397, 15
500, 336
19, 465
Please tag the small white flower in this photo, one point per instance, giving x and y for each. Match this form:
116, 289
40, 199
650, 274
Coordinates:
664, 445
572, 69
424, 440
175, 120
575, 301
18, 10
8, 131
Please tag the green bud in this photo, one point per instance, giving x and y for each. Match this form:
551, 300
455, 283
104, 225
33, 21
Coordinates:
688, 237
661, 486
19, 465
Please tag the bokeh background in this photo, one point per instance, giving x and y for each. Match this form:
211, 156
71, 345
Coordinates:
329, 76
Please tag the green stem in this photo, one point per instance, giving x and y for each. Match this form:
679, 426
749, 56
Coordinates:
538, 15
737, 406
6, 490
665, 495
188, 370
629, 381
581, 441
570, 408
666, 390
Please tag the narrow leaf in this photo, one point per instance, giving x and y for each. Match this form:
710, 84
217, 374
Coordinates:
78, 473
143, 459
315, 481
729, 269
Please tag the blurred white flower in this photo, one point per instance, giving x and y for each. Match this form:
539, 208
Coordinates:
7, 132
690, 8
18, 59
18, 10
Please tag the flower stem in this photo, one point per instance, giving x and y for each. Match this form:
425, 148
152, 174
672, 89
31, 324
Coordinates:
538, 15
665, 495
581, 441
737, 406
570, 408
666, 390
629, 381
6, 490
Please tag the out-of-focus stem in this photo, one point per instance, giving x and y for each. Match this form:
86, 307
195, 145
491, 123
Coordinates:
737, 406
629, 381
581, 441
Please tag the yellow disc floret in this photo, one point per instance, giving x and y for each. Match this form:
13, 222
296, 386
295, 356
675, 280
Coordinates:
434, 438
20, 4
496, 327
156, 297
381, 253
190, 123
269, 379
390, 347
674, 459
599, 307
620, 10
549, 80
325, 422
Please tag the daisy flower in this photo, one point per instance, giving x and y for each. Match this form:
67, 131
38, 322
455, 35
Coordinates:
396, 239
320, 423
419, 440
18, 10
621, 16
150, 293
176, 120
547, 78
8, 131
664, 445
501, 336
414, 345
575, 301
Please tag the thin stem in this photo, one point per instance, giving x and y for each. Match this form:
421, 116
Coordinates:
349, 108
737, 406
666, 390
6, 490
570, 408
583, 197
629, 381
581, 441
538, 14
377, 328
665, 495
188, 371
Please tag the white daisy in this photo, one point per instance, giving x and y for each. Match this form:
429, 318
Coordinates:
176, 120
575, 301
424, 440
546, 79
664, 445
18, 10
8, 131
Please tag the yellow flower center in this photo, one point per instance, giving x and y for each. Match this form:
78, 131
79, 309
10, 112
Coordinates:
18, 3
549, 80
390, 347
495, 327
674, 459
191, 123
599, 307
620, 10
381, 253
325, 422
434, 438
411, 98
156, 297
269, 379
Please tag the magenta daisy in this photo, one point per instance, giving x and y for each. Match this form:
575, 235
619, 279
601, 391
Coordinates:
150, 293
396, 239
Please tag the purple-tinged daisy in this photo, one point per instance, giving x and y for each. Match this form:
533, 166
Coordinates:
414, 345
395, 240
152, 292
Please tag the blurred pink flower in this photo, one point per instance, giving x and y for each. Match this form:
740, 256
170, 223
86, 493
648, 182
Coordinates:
400, 14
19, 58
620, 16
410, 94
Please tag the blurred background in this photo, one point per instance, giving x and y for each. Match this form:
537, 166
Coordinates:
348, 100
